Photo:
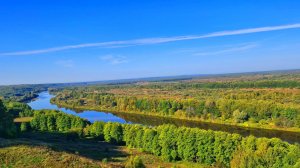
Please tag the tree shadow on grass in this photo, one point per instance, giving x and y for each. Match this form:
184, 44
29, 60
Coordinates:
63, 142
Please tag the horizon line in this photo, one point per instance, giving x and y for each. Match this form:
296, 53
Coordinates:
149, 77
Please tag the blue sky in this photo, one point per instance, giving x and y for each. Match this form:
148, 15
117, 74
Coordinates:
63, 41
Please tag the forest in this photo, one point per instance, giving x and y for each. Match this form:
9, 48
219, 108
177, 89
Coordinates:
270, 102
171, 143
249, 101
150, 84
27, 92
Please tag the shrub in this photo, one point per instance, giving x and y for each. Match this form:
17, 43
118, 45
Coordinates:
134, 162
24, 126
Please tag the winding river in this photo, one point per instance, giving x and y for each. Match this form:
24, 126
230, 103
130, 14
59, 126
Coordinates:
43, 102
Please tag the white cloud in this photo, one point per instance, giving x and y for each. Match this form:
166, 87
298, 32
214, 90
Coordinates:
114, 60
238, 48
157, 40
65, 63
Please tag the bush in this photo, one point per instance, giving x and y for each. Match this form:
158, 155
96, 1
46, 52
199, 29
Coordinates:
135, 162
104, 160
24, 127
240, 117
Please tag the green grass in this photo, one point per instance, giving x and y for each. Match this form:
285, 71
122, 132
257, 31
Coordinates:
40, 156
38, 150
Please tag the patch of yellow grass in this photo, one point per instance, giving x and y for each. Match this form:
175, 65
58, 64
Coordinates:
22, 119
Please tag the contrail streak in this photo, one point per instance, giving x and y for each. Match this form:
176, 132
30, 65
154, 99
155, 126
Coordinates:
156, 40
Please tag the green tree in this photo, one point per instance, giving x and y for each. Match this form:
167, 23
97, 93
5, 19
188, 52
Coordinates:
7, 127
148, 138
51, 123
24, 127
240, 117
167, 141
116, 133
96, 129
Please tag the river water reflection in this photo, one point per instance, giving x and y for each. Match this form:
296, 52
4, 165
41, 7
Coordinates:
43, 102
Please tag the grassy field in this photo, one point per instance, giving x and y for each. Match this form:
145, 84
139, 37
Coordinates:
56, 150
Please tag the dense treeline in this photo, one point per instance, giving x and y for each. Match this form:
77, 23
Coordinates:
262, 112
280, 95
235, 84
7, 127
180, 143
255, 100
21, 93
27, 92
52, 120
18, 109
211, 148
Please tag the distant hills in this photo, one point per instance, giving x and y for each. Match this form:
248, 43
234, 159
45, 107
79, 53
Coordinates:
163, 78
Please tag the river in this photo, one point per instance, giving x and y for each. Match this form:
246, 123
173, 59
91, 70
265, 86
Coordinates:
43, 102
